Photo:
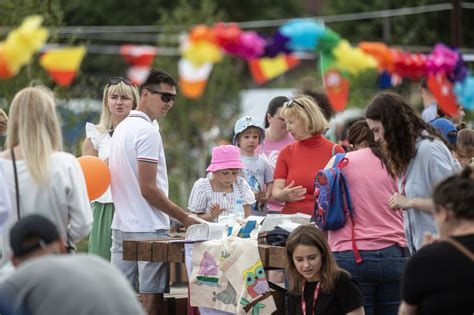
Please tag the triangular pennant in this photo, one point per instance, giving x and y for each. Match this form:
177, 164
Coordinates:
5, 71
138, 74
62, 64
193, 79
442, 90
138, 55
337, 89
63, 78
265, 69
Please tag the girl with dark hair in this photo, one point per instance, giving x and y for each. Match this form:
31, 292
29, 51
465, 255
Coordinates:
378, 230
316, 284
276, 138
276, 135
416, 153
439, 279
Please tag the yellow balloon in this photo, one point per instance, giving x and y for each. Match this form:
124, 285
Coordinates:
23, 42
202, 52
353, 60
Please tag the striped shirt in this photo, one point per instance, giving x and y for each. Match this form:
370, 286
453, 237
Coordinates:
202, 196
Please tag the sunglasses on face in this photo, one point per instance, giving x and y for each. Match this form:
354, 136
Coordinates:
117, 80
290, 103
165, 97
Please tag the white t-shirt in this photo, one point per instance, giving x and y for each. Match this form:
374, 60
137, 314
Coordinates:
5, 206
202, 196
136, 139
63, 200
101, 142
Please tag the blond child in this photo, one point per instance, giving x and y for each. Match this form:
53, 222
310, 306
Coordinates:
248, 135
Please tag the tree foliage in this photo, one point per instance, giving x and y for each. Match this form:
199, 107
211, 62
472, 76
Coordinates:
185, 127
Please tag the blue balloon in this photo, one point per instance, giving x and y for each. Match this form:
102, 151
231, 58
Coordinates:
465, 92
304, 34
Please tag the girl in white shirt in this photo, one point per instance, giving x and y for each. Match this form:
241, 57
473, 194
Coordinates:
225, 193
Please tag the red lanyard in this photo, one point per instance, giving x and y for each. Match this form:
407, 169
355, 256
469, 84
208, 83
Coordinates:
315, 298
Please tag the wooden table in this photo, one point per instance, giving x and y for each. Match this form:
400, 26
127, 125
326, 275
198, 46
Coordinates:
273, 257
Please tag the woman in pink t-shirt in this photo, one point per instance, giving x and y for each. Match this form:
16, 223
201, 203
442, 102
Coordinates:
378, 229
276, 138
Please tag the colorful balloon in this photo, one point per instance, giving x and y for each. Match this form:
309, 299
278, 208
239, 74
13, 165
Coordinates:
352, 59
304, 34
202, 52
96, 174
465, 92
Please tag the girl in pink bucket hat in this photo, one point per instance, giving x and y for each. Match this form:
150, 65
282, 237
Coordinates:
225, 193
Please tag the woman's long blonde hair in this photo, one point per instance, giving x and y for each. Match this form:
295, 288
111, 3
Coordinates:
34, 126
105, 123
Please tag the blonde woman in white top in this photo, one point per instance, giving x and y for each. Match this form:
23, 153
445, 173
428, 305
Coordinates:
50, 182
120, 97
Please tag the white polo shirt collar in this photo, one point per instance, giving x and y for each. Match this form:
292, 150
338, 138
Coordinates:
140, 114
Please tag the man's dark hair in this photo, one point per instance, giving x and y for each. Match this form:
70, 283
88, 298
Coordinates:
456, 193
156, 77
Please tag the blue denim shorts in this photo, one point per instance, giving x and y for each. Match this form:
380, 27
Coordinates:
144, 276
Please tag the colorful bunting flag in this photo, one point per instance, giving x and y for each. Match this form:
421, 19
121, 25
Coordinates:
192, 79
20, 45
138, 74
62, 64
337, 89
442, 90
265, 69
138, 55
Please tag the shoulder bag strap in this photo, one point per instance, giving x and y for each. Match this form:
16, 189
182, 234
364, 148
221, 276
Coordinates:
461, 248
17, 190
333, 150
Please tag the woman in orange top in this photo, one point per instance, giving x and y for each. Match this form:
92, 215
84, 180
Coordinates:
299, 162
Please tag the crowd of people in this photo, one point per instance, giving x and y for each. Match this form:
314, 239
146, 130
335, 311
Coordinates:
409, 247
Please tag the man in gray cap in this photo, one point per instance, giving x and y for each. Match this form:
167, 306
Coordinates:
48, 281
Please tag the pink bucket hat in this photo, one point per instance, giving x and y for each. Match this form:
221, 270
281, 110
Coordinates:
225, 157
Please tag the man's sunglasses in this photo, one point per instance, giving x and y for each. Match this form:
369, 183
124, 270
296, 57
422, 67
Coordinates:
165, 97
117, 80
290, 103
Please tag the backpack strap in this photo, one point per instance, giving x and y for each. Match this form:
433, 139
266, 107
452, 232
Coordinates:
338, 158
347, 199
333, 150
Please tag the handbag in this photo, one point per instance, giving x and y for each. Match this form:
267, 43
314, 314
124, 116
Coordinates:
460, 247
17, 190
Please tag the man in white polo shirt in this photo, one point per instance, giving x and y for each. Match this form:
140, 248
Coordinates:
140, 188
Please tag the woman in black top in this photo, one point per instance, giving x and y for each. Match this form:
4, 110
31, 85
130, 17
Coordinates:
316, 284
439, 278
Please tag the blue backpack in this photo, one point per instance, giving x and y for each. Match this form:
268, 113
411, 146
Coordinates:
332, 199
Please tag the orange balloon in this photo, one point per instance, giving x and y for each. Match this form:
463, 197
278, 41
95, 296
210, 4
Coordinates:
97, 175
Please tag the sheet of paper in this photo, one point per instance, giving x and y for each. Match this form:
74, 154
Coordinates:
272, 220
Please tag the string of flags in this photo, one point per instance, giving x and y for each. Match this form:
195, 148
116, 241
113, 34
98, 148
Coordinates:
267, 57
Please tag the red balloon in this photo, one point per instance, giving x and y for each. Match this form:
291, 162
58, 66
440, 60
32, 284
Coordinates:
96, 174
